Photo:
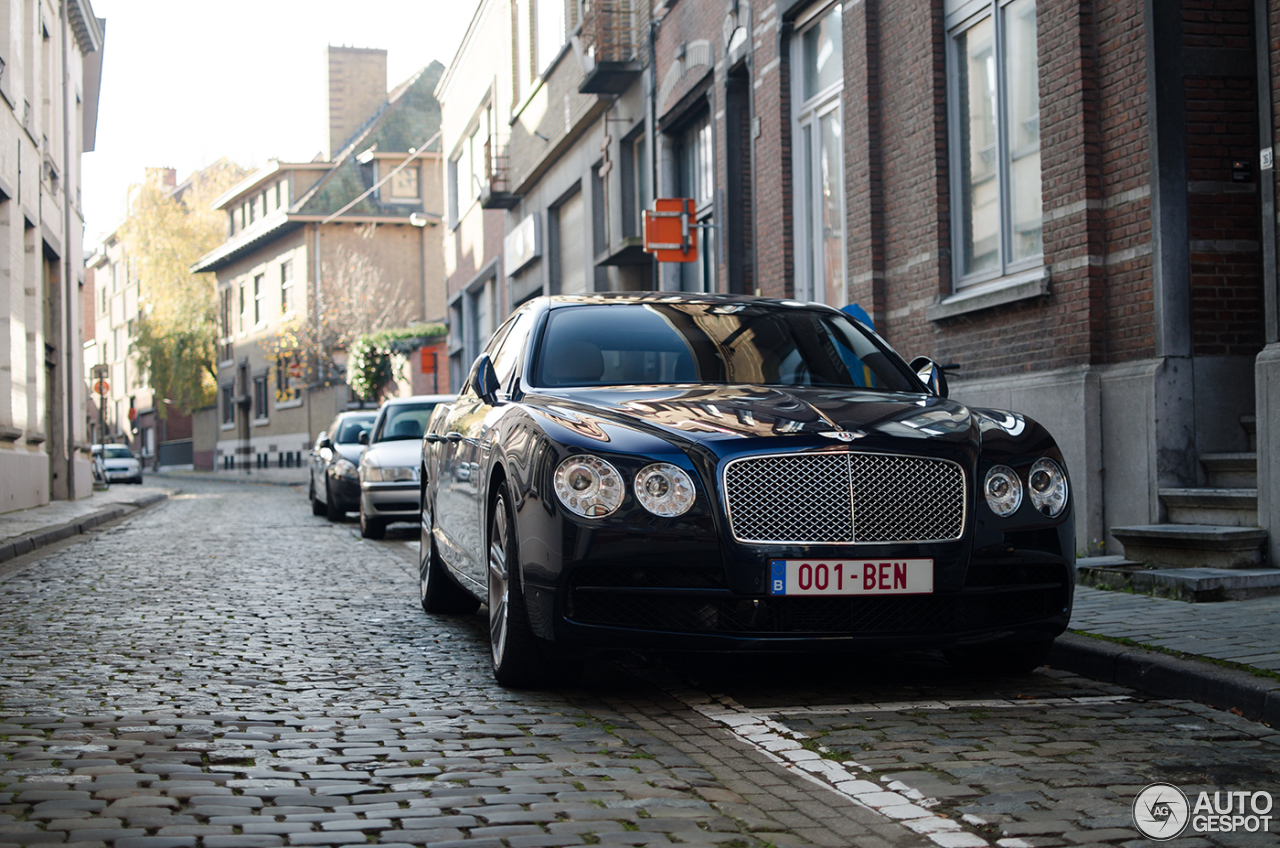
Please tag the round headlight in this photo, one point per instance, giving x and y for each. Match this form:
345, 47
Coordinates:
664, 489
1003, 490
1047, 485
588, 485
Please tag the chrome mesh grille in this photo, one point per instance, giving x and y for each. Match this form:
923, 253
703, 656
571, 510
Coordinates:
839, 498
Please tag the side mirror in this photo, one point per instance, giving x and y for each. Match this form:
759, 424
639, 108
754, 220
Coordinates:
931, 374
363, 438
484, 382
325, 442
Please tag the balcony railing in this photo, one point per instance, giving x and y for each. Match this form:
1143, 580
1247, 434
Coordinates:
609, 46
496, 191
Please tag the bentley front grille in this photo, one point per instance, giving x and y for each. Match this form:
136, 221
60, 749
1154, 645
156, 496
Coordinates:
844, 498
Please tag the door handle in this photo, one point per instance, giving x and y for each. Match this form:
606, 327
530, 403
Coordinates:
453, 437
432, 437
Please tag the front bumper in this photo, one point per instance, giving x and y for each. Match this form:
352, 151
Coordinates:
390, 501
345, 493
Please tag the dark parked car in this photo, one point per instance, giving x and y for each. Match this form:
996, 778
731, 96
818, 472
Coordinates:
703, 472
389, 464
334, 488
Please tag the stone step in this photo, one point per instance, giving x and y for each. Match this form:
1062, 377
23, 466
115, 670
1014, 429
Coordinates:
1225, 507
1194, 585
1231, 470
1250, 425
1193, 545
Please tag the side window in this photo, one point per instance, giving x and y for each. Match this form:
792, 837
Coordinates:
507, 356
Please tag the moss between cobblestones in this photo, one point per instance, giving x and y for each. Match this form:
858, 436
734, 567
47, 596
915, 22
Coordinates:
1182, 655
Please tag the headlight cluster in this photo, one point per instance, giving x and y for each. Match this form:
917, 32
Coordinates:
591, 487
1046, 485
390, 474
346, 469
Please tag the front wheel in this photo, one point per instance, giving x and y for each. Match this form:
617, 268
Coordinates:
371, 528
317, 508
518, 659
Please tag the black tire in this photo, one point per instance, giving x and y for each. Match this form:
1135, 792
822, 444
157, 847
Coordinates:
331, 509
438, 593
518, 659
371, 528
1021, 656
317, 508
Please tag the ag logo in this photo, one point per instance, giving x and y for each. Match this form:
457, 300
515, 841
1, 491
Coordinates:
1161, 811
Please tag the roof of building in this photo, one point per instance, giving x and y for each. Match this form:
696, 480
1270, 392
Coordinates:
409, 120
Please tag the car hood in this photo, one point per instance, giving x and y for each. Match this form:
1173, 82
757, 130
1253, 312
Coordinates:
712, 413
403, 452
351, 453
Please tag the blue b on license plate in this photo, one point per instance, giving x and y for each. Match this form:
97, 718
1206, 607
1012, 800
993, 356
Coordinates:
850, 577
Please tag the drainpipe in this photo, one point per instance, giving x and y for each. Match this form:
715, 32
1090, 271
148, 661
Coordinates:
650, 130
68, 281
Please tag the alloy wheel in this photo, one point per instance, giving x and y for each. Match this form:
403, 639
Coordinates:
499, 585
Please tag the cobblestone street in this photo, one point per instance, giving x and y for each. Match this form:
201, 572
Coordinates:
224, 669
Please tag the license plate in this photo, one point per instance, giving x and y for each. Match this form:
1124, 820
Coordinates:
851, 577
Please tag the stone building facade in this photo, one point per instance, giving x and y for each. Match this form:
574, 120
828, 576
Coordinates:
298, 230
52, 54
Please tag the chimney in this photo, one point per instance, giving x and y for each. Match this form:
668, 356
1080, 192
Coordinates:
356, 86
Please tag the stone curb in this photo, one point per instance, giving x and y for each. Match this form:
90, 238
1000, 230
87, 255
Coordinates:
25, 544
1165, 676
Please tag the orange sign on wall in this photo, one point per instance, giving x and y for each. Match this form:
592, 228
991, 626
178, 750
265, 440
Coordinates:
669, 231
428, 359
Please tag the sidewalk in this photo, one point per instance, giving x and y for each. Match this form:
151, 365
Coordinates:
1226, 654
26, 530
260, 476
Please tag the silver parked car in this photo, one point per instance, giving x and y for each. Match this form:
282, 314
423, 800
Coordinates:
389, 464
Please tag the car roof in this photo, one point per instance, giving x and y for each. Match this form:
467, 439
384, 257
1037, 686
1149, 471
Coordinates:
564, 300
397, 401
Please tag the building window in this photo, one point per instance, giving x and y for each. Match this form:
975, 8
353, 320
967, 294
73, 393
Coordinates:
260, 397
695, 177
286, 286
228, 404
567, 222
259, 294
995, 132
224, 314
288, 373
635, 184
243, 305
404, 183
279, 194
819, 160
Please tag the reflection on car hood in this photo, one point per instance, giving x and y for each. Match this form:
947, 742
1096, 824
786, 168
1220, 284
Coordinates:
736, 411
400, 452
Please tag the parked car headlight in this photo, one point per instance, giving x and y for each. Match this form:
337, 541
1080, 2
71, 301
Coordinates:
588, 485
390, 474
1047, 485
1003, 490
346, 469
664, 489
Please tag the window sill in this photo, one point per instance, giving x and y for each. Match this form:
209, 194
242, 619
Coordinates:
261, 422
1026, 285
289, 404
230, 426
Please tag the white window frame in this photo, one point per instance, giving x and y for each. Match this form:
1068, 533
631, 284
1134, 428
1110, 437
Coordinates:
960, 18
808, 212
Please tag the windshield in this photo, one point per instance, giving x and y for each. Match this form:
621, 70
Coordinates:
116, 452
405, 421
672, 343
349, 430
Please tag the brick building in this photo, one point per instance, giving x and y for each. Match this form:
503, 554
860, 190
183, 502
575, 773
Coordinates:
1066, 200
52, 55
359, 228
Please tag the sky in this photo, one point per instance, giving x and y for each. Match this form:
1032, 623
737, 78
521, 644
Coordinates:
186, 83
